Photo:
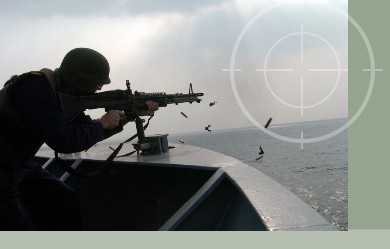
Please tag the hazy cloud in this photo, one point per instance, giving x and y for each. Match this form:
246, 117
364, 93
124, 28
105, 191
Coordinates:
165, 45
74, 8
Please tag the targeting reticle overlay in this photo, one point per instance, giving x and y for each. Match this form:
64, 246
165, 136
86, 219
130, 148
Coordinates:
300, 55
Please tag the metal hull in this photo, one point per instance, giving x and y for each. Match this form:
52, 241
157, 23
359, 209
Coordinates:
187, 188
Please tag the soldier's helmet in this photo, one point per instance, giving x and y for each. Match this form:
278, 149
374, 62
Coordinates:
84, 69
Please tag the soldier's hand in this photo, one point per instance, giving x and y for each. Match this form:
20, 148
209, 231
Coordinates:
111, 119
152, 107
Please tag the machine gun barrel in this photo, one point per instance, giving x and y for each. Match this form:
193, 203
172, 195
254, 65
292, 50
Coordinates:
124, 100
130, 103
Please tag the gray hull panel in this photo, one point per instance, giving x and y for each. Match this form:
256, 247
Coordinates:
186, 188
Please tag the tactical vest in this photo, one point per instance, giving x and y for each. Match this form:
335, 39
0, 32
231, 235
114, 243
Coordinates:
16, 80
17, 152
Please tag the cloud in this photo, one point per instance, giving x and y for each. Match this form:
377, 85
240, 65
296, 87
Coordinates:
165, 45
76, 8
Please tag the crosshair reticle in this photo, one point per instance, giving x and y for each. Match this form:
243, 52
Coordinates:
301, 34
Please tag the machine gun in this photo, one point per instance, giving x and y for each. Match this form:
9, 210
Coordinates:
127, 101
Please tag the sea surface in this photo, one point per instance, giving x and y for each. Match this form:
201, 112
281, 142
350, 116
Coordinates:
316, 172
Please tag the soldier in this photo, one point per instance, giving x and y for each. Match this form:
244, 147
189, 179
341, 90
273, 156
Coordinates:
30, 115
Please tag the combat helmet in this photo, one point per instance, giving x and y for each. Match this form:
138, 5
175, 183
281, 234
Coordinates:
84, 69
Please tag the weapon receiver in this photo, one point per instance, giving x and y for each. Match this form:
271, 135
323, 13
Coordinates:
124, 100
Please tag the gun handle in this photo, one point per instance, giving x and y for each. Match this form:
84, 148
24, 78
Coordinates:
140, 129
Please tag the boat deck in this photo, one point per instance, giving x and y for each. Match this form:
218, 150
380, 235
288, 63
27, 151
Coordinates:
186, 188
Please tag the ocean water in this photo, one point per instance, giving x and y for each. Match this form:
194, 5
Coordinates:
316, 172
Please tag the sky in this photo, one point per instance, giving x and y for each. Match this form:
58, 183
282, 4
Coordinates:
285, 59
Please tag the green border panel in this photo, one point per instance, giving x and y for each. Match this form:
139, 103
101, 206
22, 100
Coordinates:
369, 169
